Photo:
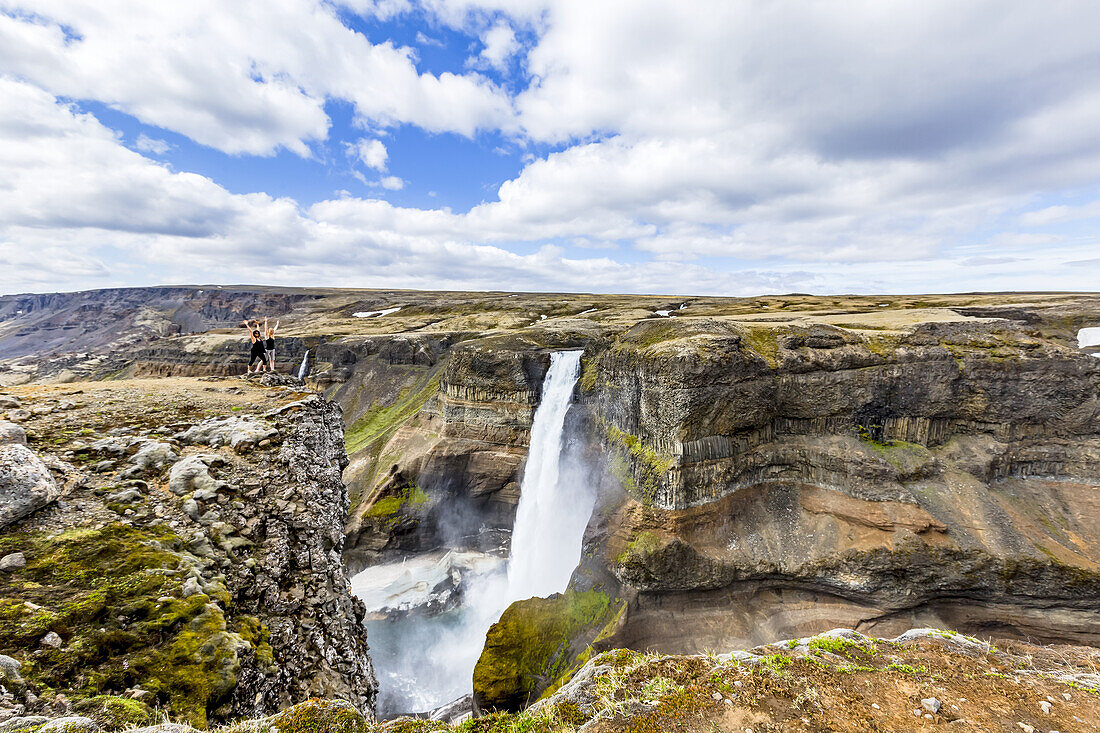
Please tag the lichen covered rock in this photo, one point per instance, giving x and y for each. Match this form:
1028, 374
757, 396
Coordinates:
535, 643
25, 483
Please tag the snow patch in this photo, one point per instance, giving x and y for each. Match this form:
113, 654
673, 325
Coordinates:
376, 314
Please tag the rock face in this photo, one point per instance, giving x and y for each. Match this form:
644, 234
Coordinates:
457, 440
764, 480
202, 576
25, 483
945, 473
298, 583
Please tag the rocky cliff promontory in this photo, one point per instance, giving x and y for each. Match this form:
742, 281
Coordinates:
187, 556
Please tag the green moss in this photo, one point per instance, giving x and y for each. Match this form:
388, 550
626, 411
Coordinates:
412, 725
775, 663
533, 644
647, 333
501, 722
381, 421
112, 594
386, 506
840, 647
900, 454
763, 341
641, 470
318, 716
116, 713
588, 374
407, 501
643, 545
907, 668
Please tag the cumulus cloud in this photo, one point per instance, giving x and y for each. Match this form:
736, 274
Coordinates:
147, 144
705, 146
248, 79
500, 45
371, 153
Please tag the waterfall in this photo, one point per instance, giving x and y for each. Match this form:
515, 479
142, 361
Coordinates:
552, 514
303, 370
424, 660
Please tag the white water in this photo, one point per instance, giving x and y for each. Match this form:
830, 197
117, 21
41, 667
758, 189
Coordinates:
550, 518
424, 662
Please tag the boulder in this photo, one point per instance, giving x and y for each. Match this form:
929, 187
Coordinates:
240, 433
193, 473
24, 724
7, 402
12, 433
152, 455
9, 669
126, 496
70, 724
25, 483
52, 640
12, 561
19, 415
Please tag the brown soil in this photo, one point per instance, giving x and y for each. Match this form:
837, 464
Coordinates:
877, 688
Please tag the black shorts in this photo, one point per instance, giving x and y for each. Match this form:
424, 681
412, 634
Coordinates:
254, 355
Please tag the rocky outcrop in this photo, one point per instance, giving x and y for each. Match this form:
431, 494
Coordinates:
197, 567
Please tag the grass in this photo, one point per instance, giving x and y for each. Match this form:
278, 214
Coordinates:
380, 421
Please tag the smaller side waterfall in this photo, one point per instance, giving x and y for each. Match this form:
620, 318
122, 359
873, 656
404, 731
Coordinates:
303, 370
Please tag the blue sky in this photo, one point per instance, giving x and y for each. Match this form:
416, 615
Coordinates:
702, 147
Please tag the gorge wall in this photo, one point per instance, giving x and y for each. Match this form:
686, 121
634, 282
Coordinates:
767, 468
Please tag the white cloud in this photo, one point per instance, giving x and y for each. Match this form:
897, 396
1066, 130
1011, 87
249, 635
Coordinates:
500, 45
1061, 213
371, 153
426, 40
806, 148
249, 79
147, 144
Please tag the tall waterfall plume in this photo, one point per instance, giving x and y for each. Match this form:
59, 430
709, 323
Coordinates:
552, 513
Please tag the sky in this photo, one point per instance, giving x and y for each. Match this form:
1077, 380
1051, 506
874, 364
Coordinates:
728, 147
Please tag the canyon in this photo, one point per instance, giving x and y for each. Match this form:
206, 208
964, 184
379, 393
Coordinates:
763, 468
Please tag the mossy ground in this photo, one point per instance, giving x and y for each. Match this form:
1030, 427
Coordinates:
113, 595
822, 683
535, 643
